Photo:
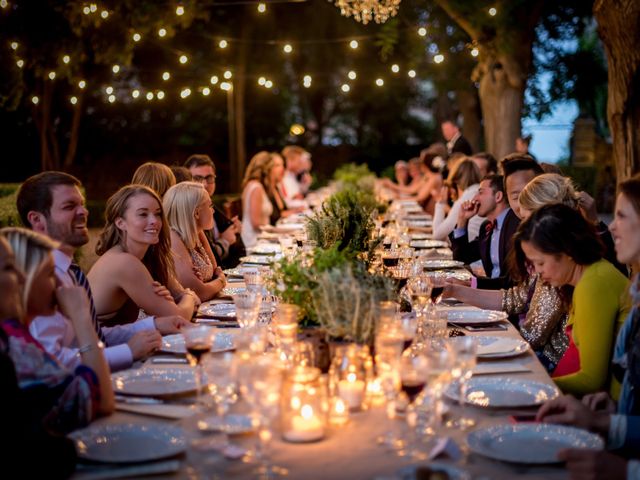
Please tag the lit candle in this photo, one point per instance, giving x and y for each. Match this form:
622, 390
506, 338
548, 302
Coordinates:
339, 412
306, 427
352, 391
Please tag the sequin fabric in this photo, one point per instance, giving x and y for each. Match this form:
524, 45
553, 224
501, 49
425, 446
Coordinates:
543, 317
202, 263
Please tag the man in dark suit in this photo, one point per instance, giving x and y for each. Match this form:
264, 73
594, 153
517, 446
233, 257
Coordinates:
494, 240
456, 143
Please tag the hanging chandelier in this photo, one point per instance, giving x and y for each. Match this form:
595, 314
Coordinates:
366, 10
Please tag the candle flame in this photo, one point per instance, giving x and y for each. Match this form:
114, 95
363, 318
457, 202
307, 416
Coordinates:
306, 412
340, 407
351, 377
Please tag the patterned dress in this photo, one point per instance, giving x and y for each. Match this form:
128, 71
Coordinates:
64, 400
202, 263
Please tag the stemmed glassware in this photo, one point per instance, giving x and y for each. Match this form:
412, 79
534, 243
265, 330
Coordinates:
198, 341
247, 308
466, 359
438, 281
420, 290
221, 378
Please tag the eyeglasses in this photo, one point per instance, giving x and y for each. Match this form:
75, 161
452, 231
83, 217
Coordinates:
207, 179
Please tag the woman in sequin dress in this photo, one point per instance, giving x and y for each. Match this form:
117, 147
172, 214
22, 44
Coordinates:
189, 213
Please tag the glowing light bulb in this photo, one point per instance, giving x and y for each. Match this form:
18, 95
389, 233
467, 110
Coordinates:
86, 10
214, 79
226, 86
184, 59
52, 75
345, 88
493, 11
475, 52
20, 63
166, 76
115, 68
353, 44
395, 68
379, 82
262, 8
206, 91
82, 84
411, 73
162, 32
439, 58
66, 59
179, 10
35, 100
287, 48
422, 32
268, 84
109, 90
185, 92
160, 95
14, 45
104, 14
223, 43
135, 93
73, 100
149, 96
228, 74
352, 75
93, 8
262, 81
4, 4
112, 98
136, 37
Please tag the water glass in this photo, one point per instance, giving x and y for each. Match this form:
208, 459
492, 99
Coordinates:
466, 358
220, 371
247, 308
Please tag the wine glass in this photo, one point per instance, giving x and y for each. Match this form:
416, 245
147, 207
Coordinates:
420, 290
260, 380
466, 359
247, 308
198, 341
438, 281
409, 325
221, 376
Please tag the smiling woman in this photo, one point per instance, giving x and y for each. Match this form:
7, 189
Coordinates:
134, 258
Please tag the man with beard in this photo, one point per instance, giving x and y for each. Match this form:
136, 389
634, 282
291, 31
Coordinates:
51, 203
494, 240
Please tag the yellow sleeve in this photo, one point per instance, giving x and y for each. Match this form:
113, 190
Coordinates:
595, 310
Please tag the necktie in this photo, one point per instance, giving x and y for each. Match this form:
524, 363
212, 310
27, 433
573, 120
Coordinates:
82, 281
489, 227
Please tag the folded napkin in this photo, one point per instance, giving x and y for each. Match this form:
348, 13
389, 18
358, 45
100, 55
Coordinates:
501, 367
103, 472
163, 410
500, 345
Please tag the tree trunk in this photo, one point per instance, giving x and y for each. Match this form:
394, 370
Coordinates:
501, 98
72, 147
467, 100
236, 113
619, 29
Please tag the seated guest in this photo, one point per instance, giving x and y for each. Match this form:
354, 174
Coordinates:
566, 252
518, 170
157, 176
416, 179
135, 251
486, 163
189, 212
182, 174
51, 203
431, 180
494, 241
295, 184
223, 238
401, 173
275, 174
63, 399
463, 179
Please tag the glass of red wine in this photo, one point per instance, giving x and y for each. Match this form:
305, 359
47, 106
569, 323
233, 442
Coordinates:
413, 374
198, 341
438, 281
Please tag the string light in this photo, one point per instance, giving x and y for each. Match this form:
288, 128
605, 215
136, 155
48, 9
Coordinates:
185, 92
135, 93
223, 43
104, 14
268, 84
307, 81
287, 48
112, 98
86, 10
93, 8
353, 44
206, 91
82, 84
184, 59
352, 75
66, 59
379, 82
179, 10
411, 73
35, 100
14, 45
439, 58
73, 100
493, 11
261, 81
345, 88
226, 86
20, 63
395, 68
109, 90
149, 96
422, 32
162, 32
262, 8
228, 74
214, 79
296, 129
166, 76
475, 52
160, 95
115, 68
4, 4
136, 37
52, 75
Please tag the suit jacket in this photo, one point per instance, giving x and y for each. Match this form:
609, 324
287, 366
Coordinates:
480, 249
461, 145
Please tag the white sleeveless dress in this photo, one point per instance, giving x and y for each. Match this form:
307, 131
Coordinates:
250, 234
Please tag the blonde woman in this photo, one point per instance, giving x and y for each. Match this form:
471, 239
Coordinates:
66, 399
135, 252
464, 180
189, 213
157, 176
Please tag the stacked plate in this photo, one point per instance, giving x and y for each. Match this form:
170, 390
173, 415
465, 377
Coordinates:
500, 347
223, 342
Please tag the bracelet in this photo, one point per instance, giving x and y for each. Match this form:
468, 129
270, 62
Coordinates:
91, 346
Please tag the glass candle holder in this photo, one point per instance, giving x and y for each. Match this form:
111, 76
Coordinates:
349, 373
303, 406
338, 412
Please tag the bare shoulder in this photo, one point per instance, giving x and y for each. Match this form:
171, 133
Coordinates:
119, 262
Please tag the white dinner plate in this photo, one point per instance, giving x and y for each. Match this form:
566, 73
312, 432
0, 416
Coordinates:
265, 249
232, 424
231, 291
441, 264
218, 310
285, 228
500, 347
127, 442
530, 443
469, 316
420, 236
154, 381
427, 244
504, 392
258, 259
415, 472
223, 342
419, 223
239, 271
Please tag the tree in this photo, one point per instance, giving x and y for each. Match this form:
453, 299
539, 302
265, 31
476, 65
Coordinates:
619, 29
